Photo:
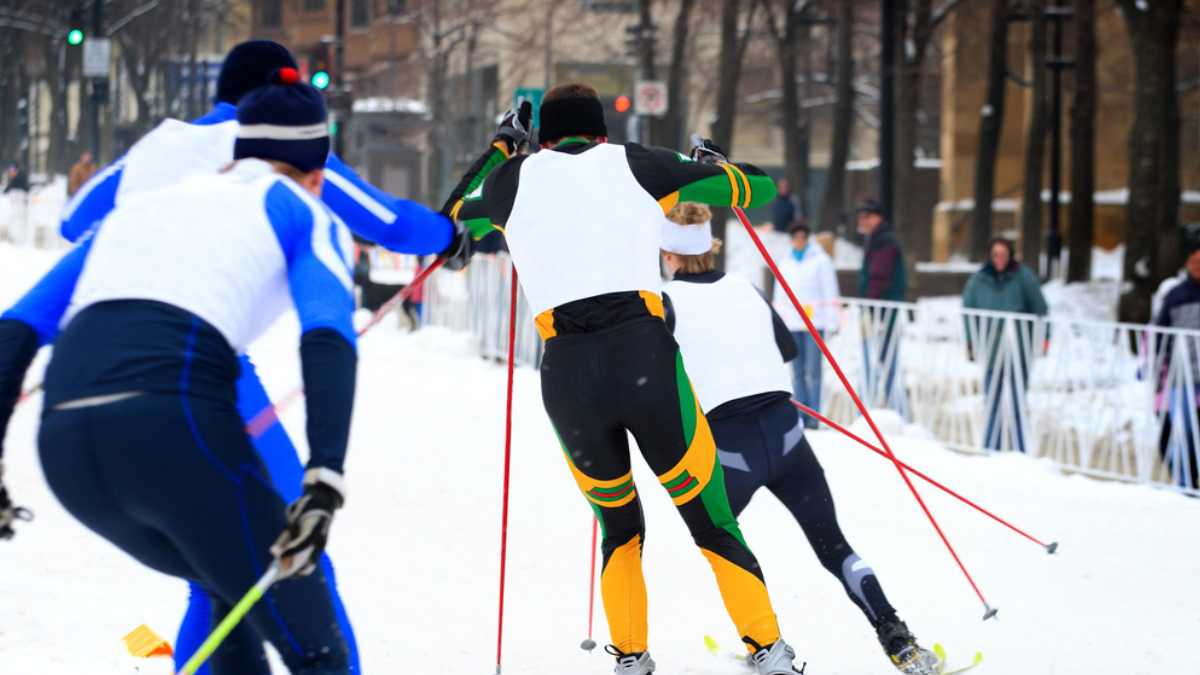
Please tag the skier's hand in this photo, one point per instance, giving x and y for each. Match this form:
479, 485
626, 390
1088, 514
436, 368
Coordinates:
515, 126
299, 547
707, 152
9, 514
458, 253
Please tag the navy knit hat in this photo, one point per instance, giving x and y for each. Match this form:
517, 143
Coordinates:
248, 65
571, 116
283, 121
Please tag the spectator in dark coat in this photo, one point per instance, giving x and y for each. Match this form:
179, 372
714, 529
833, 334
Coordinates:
1006, 345
882, 277
1181, 309
17, 179
783, 209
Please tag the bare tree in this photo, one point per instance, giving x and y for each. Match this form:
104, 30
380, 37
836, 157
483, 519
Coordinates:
833, 203
789, 29
1035, 140
669, 130
1083, 144
1152, 213
734, 39
991, 123
915, 31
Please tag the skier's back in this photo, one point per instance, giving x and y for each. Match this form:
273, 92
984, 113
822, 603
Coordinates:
581, 220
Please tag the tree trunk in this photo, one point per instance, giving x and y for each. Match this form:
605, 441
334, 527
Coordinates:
672, 126
1083, 144
791, 117
1152, 241
833, 206
914, 229
729, 70
1035, 141
991, 123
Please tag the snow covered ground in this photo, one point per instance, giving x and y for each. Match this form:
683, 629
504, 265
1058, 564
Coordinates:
416, 547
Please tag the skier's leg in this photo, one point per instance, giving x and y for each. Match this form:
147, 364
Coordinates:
286, 471
798, 481
741, 453
597, 452
673, 434
195, 627
241, 652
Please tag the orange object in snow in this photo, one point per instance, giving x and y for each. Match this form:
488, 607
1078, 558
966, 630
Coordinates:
145, 643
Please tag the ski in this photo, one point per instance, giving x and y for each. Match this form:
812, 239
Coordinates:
713, 648
941, 654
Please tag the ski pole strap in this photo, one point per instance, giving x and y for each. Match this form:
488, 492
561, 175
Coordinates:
231, 620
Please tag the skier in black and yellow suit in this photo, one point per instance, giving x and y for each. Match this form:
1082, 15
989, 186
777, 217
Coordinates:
581, 220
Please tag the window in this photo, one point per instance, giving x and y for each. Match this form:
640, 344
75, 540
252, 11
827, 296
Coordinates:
397, 7
314, 5
360, 13
272, 13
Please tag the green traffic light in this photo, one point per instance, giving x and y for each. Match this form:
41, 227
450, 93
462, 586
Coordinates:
320, 79
74, 37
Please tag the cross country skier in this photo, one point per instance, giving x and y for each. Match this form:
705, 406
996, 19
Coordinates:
579, 218
735, 346
141, 439
171, 151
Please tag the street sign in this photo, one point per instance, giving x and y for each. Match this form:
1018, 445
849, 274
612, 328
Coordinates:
534, 96
97, 53
650, 98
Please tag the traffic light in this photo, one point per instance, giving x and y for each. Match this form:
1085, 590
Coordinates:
320, 79
75, 34
75, 37
320, 65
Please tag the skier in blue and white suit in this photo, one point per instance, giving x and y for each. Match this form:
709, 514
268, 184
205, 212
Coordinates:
176, 149
141, 439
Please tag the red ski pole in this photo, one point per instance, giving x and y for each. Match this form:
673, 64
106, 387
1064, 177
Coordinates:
988, 611
265, 418
1050, 548
589, 644
508, 408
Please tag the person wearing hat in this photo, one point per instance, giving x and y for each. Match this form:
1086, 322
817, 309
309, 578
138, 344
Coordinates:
581, 221
736, 345
883, 276
166, 155
1181, 309
140, 437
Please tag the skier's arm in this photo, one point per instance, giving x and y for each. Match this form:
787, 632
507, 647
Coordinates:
496, 154
396, 224
92, 202
671, 177
31, 323
783, 337
319, 277
468, 194
488, 207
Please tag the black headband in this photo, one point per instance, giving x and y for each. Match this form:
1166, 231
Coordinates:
575, 116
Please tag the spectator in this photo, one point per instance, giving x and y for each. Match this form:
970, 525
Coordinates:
1181, 309
80, 172
882, 277
17, 180
783, 208
1006, 345
809, 271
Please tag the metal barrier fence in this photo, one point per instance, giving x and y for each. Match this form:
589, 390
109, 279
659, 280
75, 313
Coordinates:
1113, 401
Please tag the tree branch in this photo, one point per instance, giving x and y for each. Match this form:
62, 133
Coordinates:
940, 14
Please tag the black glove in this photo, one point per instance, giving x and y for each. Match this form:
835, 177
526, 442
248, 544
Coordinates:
9, 514
458, 253
515, 126
299, 547
707, 152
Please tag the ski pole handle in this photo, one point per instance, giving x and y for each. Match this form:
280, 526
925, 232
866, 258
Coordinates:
231, 620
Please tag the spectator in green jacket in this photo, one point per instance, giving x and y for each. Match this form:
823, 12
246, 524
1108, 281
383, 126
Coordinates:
1004, 285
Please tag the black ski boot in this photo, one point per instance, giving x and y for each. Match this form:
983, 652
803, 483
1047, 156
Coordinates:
902, 649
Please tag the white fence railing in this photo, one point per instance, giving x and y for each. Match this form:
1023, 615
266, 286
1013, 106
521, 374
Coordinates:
1115, 401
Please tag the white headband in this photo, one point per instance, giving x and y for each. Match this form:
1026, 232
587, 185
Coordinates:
687, 239
278, 132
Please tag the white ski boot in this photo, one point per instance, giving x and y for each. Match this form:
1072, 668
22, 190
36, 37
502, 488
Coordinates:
639, 663
774, 660
902, 649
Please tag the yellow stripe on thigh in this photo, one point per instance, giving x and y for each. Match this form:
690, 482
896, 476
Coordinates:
687, 479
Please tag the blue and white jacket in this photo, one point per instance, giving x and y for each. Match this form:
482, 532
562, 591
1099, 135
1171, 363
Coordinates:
237, 250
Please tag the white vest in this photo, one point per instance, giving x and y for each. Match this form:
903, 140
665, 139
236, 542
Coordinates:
581, 225
727, 336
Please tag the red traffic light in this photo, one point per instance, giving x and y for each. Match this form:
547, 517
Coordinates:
622, 103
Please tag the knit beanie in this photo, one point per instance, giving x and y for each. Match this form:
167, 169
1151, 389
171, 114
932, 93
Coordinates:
283, 121
247, 67
572, 116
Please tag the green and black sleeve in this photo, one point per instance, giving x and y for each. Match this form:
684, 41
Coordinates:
671, 177
487, 206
